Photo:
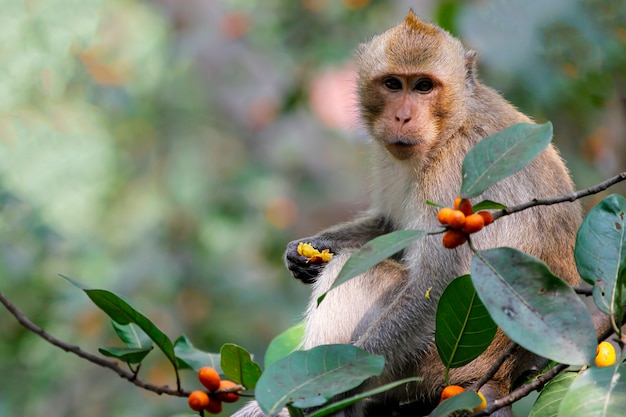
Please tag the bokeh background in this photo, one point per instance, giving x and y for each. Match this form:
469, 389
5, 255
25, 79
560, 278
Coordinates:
168, 150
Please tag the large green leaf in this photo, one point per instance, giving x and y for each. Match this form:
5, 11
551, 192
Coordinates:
120, 311
465, 401
549, 401
601, 248
501, 155
334, 407
374, 252
284, 344
533, 307
309, 378
237, 365
598, 392
189, 356
464, 328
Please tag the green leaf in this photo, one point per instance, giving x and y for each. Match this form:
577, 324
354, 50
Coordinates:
432, 203
128, 355
601, 249
464, 328
190, 357
533, 307
334, 407
465, 401
374, 252
548, 402
488, 205
120, 311
309, 378
237, 365
501, 155
132, 335
597, 392
283, 344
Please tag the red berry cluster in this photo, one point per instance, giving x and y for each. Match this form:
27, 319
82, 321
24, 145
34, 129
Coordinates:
211, 401
462, 221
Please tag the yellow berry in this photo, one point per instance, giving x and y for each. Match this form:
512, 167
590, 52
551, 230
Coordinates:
453, 238
605, 354
209, 378
473, 223
444, 215
451, 391
456, 219
483, 404
198, 400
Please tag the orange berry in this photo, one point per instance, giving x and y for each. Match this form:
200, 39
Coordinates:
227, 397
482, 405
466, 207
451, 391
457, 202
456, 219
198, 400
209, 378
605, 354
444, 214
453, 238
487, 217
214, 407
473, 223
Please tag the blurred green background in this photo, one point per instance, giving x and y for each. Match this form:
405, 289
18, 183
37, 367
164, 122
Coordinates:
168, 150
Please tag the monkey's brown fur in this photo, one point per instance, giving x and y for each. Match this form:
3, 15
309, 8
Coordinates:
421, 133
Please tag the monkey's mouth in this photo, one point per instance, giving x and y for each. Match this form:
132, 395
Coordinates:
402, 148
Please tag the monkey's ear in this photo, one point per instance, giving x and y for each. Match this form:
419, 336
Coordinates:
470, 67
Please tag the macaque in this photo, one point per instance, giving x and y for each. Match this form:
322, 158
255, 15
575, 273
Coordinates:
424, 108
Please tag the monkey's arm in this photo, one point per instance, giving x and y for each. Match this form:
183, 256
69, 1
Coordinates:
352, 235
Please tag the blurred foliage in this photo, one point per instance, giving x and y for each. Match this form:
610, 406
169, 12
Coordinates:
168, 151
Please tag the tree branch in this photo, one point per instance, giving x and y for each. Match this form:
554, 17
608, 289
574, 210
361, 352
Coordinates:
29, 325
561, 199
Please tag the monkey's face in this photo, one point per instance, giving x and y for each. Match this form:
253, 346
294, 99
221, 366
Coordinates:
402, 113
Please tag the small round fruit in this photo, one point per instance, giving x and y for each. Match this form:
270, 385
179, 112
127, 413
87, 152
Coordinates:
444, 214
487, 217
605, 354
466, 207
209, 378
198, 400
457, 202
473, 223
451, 391
453, 238
456, 219
483, 404
227, 397
214, 407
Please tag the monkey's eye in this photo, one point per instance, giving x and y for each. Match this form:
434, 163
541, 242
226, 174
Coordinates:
393, 83
424, 85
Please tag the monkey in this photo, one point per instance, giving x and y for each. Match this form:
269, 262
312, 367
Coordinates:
424, 107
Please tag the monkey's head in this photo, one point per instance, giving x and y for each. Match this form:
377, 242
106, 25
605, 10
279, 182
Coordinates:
413, 83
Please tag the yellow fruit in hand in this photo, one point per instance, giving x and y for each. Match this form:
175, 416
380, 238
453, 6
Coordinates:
315, 256
605, 354
483, 404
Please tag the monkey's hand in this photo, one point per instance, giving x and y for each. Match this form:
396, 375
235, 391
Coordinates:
301, 266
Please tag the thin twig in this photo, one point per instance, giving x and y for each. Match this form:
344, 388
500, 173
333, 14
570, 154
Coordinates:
24, 321
561, 199
494, 367
586, 291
